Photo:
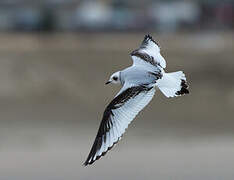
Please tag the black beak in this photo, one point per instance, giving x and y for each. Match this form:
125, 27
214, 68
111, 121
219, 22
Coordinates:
108, 82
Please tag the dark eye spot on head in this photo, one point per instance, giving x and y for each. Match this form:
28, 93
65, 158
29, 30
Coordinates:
115, 78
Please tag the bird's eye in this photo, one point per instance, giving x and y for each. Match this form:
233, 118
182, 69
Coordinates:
115, 78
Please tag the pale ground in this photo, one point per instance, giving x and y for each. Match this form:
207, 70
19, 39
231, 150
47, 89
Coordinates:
53, 94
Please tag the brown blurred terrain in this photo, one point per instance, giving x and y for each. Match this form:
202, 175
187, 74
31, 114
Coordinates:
53, 94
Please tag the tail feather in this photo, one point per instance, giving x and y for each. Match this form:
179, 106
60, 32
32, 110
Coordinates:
173, 84
183, 89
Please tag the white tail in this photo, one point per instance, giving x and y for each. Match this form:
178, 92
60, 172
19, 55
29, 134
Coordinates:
173, 84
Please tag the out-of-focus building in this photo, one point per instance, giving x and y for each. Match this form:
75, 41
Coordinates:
93, 15
113, 15
170, 16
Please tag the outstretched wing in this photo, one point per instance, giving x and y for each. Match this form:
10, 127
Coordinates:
118, 114
148, 54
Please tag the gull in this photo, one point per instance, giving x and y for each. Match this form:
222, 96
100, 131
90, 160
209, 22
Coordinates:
139, 83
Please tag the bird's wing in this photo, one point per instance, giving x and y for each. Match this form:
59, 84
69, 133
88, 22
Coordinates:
148, 54
116, 118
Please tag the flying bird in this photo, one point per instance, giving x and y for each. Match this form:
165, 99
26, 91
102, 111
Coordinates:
139, 83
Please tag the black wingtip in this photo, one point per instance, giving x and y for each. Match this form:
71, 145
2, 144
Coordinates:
149, 37
86, 163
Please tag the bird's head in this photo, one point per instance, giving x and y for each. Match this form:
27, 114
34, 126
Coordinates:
115, 78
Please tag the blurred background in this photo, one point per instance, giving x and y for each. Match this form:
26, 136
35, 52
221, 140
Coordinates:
55, 56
